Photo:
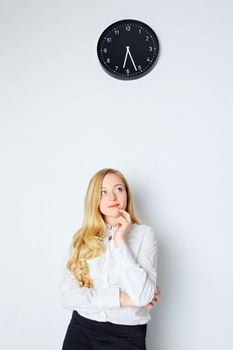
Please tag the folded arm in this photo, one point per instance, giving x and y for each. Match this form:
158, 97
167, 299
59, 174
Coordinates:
83, 299
138, 276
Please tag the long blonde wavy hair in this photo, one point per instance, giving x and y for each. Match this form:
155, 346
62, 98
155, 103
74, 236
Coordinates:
88, 241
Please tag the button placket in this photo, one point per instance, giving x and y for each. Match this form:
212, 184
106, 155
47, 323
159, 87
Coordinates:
105, 267
106, 263
110, 237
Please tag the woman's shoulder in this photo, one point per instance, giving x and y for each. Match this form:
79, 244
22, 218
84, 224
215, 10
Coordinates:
142, 229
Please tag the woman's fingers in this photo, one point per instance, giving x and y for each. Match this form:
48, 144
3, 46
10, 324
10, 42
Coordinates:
120, 220
125, 214
156, 299
153, 302
149, 307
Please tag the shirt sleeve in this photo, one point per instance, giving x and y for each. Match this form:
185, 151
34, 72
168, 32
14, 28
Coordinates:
83, 299
138, 276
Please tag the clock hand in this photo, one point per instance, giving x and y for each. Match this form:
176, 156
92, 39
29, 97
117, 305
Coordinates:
132, 59
126, 55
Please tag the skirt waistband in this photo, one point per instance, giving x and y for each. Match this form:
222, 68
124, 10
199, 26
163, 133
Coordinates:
109, 328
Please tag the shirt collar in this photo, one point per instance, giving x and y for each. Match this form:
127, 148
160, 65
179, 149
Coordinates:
109, 230
108, 226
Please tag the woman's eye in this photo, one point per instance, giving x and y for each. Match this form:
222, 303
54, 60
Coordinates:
120, 189
102, 192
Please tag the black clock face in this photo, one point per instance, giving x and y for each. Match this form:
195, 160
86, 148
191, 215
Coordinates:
128, 49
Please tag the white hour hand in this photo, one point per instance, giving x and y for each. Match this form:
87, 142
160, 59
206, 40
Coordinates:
126, 55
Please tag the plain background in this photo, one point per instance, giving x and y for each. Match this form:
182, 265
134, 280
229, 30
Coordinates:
63, 118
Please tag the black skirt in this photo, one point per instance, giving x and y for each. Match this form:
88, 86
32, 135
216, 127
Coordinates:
86, 334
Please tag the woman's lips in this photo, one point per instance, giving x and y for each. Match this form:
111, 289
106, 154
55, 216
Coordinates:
114, 206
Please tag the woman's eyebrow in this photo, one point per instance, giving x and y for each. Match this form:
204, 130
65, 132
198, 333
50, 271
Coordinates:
115, 185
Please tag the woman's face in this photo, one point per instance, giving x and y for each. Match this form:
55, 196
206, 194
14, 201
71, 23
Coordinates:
113, 196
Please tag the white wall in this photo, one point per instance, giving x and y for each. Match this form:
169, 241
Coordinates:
63, 118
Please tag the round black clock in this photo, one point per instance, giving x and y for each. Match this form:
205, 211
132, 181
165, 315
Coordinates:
128, 49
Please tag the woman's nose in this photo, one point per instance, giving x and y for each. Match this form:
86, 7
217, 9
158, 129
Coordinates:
113, 196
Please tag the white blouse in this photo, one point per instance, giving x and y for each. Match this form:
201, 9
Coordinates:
131, 267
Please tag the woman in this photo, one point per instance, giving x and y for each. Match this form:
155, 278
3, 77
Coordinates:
110, 278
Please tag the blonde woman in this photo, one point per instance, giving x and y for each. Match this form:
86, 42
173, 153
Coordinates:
110, 279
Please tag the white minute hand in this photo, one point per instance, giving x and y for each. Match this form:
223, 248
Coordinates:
132, 59
126, 55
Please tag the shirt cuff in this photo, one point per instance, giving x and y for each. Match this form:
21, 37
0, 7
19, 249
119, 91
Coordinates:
109, 297
124, 257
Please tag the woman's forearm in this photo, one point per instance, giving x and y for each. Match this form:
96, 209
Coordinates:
125, 299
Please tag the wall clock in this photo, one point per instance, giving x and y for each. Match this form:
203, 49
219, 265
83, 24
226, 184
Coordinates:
128, 49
